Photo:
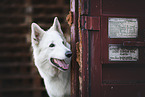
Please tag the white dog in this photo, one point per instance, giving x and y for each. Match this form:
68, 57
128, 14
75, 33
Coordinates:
52, 58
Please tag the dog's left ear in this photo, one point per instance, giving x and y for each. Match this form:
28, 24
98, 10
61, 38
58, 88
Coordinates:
37, 33
56, 25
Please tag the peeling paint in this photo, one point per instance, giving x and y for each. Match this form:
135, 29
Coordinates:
79, 48
69, 18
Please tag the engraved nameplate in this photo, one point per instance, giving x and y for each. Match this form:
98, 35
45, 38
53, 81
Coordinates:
120, 53
122, 28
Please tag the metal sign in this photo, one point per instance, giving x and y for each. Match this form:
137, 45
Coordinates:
120, 53
122, 27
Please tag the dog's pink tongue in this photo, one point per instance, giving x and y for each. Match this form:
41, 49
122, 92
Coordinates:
62, 64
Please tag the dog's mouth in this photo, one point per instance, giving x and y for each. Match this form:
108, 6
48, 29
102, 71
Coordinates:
60, 64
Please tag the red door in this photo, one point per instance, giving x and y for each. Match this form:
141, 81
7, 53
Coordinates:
114, 43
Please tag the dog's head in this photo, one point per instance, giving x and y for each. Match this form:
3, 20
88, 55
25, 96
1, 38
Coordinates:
51, 46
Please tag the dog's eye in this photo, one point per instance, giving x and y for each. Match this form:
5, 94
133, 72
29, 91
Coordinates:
62, 42
52, 45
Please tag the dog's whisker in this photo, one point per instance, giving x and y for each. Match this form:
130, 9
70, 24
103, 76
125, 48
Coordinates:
44, 61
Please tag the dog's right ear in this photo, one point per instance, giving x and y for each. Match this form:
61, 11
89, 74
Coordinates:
36, 34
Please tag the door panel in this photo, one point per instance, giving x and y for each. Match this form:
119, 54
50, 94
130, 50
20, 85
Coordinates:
114, 66
127, 7
122, 77
106, 41
123, 91
123, 74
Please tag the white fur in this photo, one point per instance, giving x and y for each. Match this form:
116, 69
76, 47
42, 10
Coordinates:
57, 82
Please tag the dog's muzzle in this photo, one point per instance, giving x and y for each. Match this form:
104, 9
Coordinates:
60, 64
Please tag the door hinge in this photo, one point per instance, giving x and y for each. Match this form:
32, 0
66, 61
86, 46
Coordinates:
90, 23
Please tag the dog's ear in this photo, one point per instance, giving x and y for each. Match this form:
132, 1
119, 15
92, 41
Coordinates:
56, 25
36, 34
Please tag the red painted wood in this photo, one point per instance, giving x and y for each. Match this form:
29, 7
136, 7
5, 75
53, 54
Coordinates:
95, 64
74, 39
104, 78
90, 23
122, 79
123, 91
123, 73
85, 67
123, 7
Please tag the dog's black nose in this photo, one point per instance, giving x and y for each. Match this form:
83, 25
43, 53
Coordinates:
68, 54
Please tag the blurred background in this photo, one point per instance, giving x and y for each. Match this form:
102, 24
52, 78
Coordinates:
18, 74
